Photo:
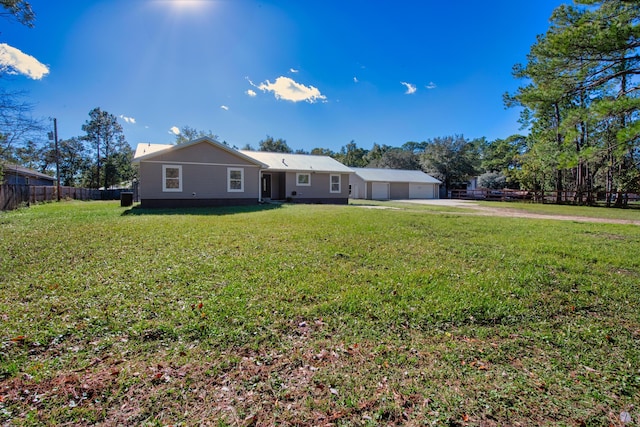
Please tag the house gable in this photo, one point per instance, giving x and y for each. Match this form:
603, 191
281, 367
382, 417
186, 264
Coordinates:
202, 172
201, 150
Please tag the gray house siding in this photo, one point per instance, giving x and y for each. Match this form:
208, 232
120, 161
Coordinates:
358, 187
202, 185
203, 181
319, 190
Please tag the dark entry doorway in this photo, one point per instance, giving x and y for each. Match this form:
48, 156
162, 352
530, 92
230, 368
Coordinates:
266, 186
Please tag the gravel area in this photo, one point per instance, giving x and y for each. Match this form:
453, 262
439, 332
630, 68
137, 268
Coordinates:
476, 209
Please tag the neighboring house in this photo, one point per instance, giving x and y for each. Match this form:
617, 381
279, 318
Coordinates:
302, 178
204, 172
18, 175
472, 184
386, 184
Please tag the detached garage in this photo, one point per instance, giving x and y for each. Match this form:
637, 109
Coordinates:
386, 184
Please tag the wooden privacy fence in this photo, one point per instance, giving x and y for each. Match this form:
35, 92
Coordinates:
14, 196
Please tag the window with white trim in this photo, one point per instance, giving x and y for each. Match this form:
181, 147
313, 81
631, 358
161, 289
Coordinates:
334, 184
235, 180
303, 179
172, 178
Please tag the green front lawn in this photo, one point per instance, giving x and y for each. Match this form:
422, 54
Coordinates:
315, 314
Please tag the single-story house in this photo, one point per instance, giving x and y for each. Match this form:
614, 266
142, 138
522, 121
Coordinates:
204, 172
386, 184
18, 175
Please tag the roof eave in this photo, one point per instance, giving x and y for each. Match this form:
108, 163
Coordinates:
268, 169
197, 141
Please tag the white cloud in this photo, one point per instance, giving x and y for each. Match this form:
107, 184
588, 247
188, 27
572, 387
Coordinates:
431, 85
293, 70
14, 61
290, 90
175, 130
411, 88
224, 107
129, 120
251, 93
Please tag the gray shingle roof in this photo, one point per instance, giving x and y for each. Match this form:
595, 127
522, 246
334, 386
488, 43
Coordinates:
20, 170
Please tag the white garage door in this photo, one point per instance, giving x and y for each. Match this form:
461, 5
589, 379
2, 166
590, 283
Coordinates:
420, 191
380, 190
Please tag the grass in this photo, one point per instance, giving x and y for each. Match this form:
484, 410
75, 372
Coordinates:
310, 315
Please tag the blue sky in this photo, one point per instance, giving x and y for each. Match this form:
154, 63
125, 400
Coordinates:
317, 73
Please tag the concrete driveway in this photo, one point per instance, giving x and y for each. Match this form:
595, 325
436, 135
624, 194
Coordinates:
441, 202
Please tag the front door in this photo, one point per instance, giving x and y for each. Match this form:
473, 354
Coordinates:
266, 186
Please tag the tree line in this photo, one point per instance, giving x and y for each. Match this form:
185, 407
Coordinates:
101, 158
580, 102
579, 106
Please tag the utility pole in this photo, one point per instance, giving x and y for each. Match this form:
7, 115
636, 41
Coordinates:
55, 136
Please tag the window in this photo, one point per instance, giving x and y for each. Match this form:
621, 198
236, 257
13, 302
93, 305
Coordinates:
235, 180
335, 184
303, 179
171, 178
